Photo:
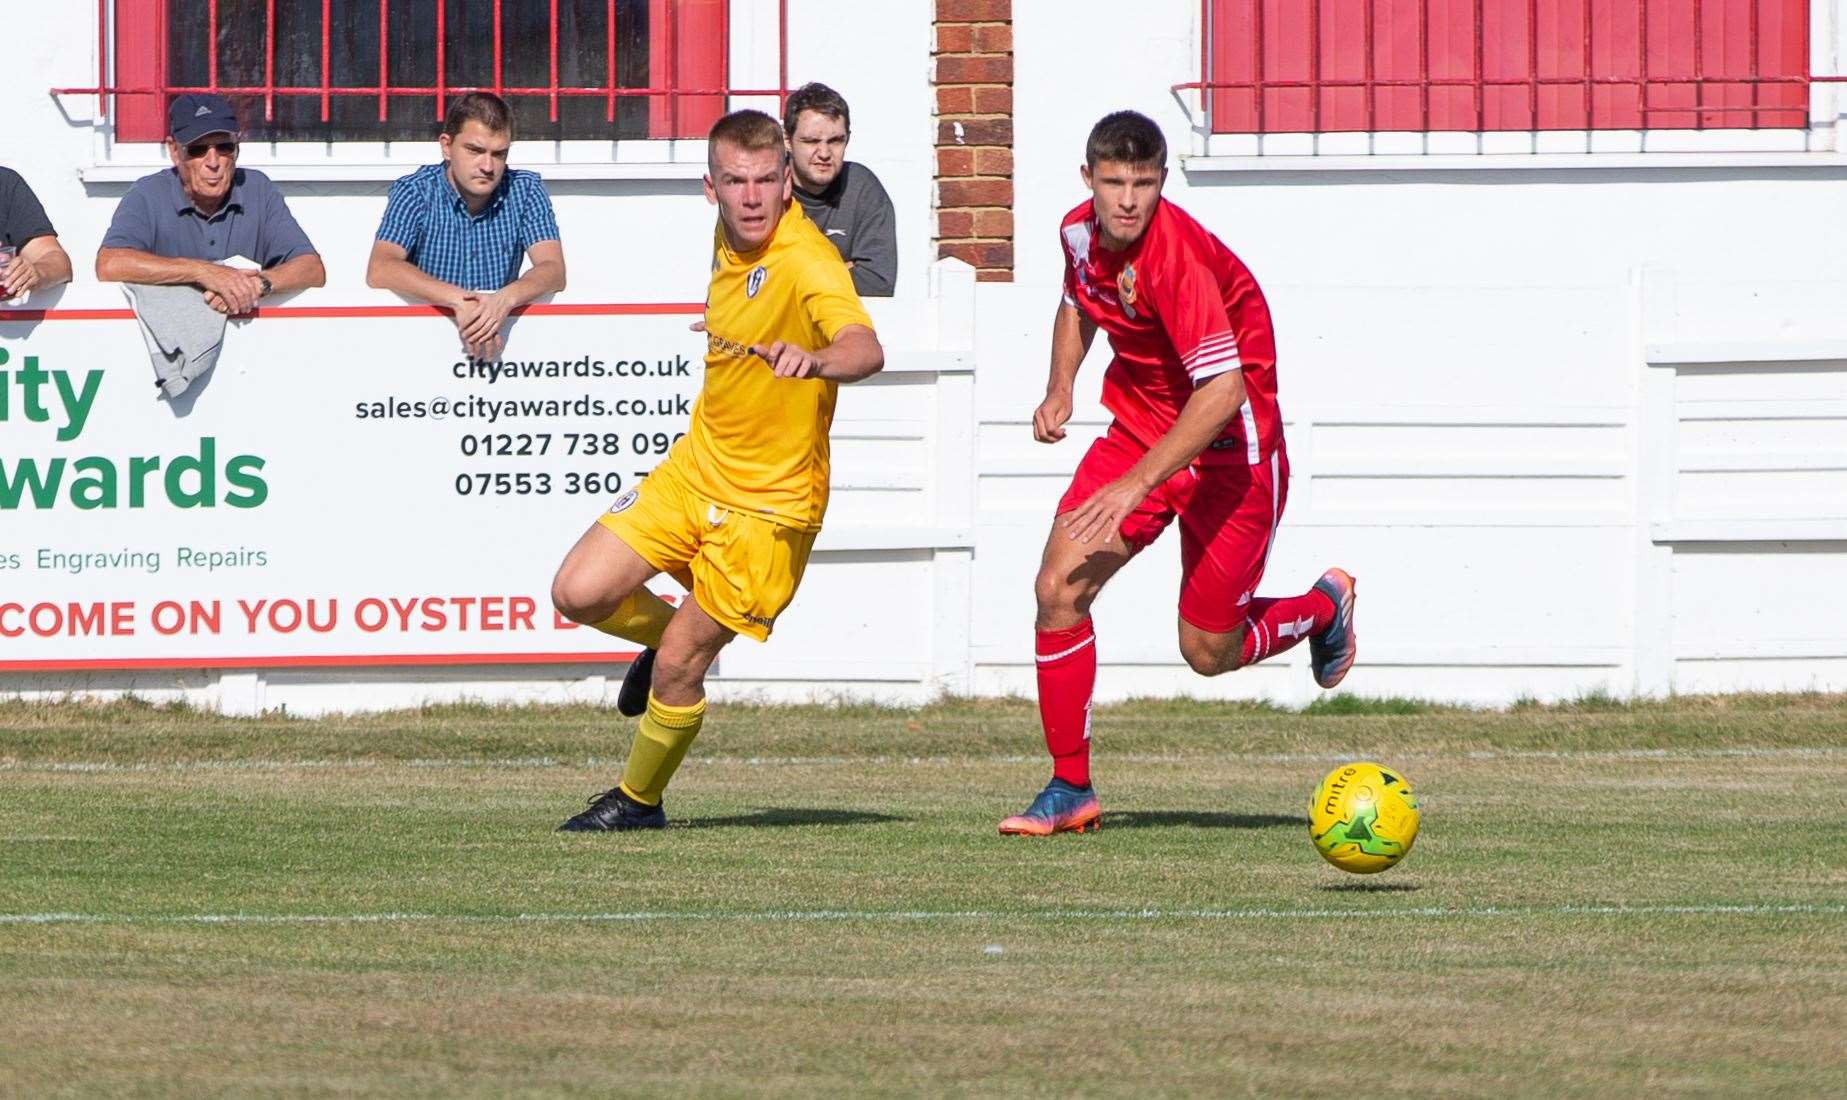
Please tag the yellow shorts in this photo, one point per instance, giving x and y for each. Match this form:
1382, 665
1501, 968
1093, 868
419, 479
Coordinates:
741, 569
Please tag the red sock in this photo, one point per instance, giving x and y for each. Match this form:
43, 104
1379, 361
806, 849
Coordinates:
1278, 624
1067, 677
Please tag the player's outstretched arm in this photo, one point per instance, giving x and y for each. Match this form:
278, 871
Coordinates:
854, 355
1201, 421
1071, 337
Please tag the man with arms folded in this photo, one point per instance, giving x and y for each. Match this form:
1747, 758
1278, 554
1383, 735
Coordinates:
179, 226
843, 199
454, 234
30, 256
733, 510
1197, 437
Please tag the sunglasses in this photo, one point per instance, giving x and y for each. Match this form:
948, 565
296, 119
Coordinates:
225, 149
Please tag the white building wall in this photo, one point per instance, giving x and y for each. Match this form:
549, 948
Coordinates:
1527, 450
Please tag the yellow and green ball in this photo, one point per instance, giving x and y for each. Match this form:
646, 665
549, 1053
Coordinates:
1363, 817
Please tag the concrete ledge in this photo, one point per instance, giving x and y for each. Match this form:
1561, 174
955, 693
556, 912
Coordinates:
1490, 162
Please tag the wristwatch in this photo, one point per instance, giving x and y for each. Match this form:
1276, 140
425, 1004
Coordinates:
264, 279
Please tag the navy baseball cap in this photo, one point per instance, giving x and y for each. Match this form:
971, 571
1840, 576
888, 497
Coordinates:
195, 114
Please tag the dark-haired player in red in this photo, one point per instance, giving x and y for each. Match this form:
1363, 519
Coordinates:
1197, 436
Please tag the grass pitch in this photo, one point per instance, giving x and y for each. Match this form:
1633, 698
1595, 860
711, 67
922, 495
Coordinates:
1603, 899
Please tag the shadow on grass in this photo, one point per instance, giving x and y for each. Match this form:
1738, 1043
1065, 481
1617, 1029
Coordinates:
774, 817
1199, 819
1371, 887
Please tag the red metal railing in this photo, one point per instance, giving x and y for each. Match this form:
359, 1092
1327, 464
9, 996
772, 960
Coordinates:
703, 57
1264, 65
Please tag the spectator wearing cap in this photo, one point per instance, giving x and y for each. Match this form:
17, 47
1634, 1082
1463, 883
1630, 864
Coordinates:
844, 200
37, 260
455, 234
181, 225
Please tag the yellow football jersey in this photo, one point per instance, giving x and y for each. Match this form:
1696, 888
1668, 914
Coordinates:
758, 443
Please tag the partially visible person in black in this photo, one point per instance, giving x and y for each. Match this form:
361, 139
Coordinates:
36, 259
843, 199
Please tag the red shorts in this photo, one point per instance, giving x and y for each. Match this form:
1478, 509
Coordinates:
1228, 515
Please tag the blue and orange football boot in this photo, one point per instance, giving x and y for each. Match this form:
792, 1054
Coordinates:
1331, 652
1061, 808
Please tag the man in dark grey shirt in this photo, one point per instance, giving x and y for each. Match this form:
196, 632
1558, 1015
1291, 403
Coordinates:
180, 225
30, 255
844, 200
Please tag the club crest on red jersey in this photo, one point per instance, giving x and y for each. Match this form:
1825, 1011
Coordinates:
1125, 288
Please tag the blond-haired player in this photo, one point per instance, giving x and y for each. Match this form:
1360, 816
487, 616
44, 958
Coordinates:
733, 510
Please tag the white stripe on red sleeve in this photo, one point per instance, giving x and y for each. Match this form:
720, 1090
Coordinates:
1212, 347
1214, 369
1215, 355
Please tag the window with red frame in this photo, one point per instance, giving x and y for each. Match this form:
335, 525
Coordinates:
1323, 66
375, 70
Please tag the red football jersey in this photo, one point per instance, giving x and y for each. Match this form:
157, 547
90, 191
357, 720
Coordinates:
1179, 308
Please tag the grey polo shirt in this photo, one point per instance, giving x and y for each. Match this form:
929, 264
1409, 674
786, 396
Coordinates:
254, 222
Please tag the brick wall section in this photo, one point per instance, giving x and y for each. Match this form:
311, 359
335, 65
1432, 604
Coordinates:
973, 54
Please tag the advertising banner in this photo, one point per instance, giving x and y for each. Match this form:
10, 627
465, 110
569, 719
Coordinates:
346, 487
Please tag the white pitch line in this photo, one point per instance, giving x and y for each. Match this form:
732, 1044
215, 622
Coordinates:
924, 916
107, 767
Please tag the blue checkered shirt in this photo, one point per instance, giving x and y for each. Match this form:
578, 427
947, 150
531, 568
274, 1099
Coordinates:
428, 219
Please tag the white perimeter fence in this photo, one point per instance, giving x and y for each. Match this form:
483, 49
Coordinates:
1544, 491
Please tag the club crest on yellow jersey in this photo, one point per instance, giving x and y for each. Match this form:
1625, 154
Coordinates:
754, 281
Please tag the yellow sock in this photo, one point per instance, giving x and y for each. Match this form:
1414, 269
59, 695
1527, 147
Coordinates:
641, 619
661, 740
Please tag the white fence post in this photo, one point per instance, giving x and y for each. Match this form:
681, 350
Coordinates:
952, 288
1656, 442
